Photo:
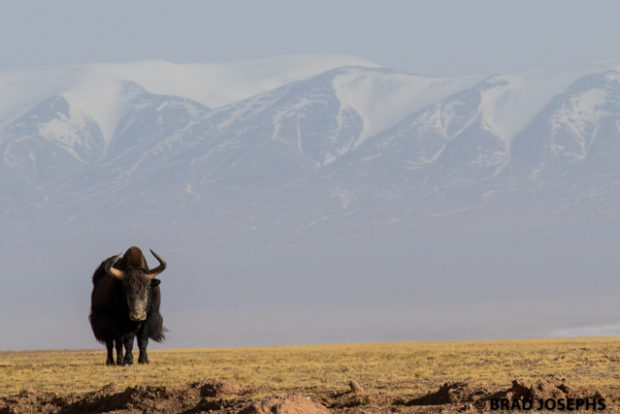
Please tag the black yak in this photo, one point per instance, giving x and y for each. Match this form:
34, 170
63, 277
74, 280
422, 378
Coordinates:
125, 304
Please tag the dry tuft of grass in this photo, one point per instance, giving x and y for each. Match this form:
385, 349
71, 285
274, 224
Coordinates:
399, 368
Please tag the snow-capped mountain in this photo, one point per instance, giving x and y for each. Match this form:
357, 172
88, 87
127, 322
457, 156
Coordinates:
301, 140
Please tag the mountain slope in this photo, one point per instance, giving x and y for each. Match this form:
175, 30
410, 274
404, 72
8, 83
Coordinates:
308, 138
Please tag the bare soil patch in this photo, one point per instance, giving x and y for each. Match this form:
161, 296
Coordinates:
468, 396
224, 397
197, 397
294, 404
451, 393
546, 388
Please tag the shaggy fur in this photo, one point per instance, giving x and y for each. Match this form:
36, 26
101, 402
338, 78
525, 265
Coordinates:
109, 316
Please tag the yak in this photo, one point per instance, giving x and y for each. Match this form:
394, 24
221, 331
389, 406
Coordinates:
125, 304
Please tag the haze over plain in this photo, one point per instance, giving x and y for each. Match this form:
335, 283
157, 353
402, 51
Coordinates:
331, 195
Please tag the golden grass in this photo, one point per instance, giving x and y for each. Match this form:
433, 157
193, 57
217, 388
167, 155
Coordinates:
403, 368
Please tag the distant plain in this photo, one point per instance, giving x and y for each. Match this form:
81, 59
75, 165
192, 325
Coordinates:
407, 369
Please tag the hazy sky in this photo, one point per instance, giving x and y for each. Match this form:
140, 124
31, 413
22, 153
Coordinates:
427, 37
270, 296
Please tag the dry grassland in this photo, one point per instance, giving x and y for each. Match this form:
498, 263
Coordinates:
400, 368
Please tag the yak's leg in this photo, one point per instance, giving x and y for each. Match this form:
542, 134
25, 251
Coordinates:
128, 340
118, 342
143, 342
109, 344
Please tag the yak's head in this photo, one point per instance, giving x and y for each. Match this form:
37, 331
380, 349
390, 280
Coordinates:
137, 282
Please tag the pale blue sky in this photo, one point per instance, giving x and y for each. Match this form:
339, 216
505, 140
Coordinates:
428, 37
253, 293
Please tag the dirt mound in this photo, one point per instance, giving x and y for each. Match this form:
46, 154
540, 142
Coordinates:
520, 390
218, 389
200, 396
546, 388
451, 393
30, 401
295, 404
357, 396
356, 388
223, 397
139, 398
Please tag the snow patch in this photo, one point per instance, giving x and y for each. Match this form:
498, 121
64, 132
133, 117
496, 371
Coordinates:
510, 102
101, 98
318, 220
65, 130
93, 89
346, 197
21, 90
218, 84
189, 189
329, 158
382, 98
580, 115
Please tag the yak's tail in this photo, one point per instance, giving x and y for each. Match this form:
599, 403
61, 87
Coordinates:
100, 327
155, 328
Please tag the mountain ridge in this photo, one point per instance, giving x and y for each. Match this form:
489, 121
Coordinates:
343, 139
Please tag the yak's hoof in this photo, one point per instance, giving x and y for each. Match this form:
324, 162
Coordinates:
128, 361
120, 362
109, 362
143, 360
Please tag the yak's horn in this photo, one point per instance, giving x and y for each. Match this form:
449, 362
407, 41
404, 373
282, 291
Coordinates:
111, 270
162, 266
